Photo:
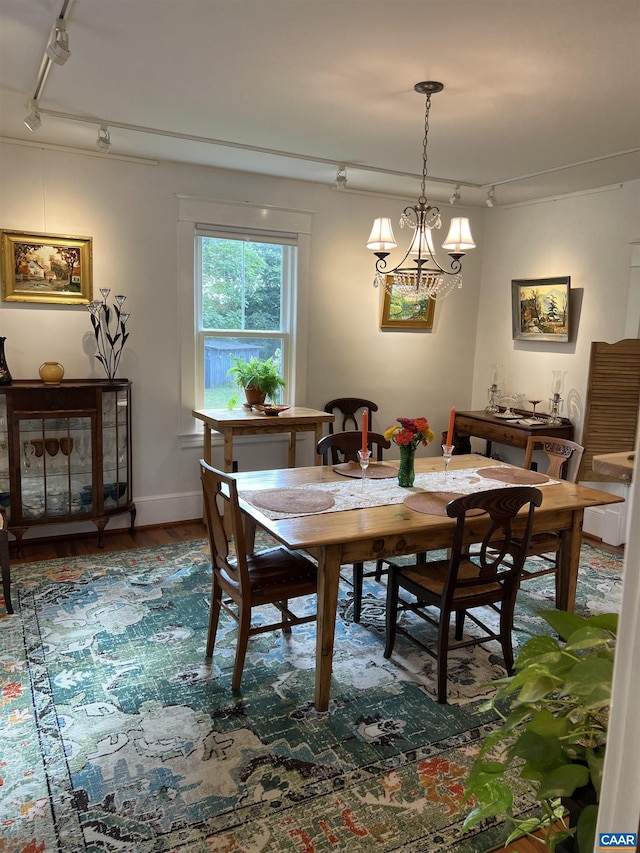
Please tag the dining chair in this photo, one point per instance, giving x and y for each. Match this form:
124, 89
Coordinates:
5, 565
348, 407
564, 458
248, 580
343, 447
465, 581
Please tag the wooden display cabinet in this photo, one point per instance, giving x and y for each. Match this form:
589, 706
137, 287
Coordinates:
65, 453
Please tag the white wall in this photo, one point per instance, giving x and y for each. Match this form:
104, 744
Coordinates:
130, 211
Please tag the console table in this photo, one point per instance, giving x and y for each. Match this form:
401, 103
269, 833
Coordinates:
247, 422
482, 424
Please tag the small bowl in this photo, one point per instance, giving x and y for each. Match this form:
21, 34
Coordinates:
271, 410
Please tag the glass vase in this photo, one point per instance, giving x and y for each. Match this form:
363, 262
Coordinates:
406, 470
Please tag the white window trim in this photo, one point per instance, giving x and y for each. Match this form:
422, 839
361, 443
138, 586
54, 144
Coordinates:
194, 211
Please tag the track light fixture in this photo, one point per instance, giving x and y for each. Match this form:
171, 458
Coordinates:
104, 139
33, 120
455, 195
58, 47
491, 197
419, 273
341, 177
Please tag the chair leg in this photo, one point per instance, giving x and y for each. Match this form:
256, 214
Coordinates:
286, 629
506, 628
244, 622
214, 616
392, 612
358, 572
6, 570
379, 569
460, 616
443, 650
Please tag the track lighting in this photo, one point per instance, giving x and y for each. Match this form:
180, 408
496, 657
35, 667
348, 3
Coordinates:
104, 139
58, 47
341, 177
33, 120
491, 197
455, 195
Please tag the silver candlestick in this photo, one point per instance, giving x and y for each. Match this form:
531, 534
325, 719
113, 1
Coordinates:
556, 405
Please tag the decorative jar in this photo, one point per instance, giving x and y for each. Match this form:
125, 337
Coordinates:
51, 372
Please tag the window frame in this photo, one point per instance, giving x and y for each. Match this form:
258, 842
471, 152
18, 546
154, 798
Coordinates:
194, 211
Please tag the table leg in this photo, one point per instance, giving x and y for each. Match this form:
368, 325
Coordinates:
291, 459
569, 563
328, 577
206, 452
228, 450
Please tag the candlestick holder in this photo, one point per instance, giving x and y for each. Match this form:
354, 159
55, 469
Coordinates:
447, 453
494, 395
556, 405
363, 459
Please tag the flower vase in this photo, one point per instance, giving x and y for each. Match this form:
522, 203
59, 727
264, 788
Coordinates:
406, 471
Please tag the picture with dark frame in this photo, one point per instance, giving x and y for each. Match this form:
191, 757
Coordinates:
541, 309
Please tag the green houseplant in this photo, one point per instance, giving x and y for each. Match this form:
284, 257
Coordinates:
555, 712
260, 378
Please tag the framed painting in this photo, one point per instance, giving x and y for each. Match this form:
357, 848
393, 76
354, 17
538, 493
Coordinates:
406, 310
46, 268
541, 309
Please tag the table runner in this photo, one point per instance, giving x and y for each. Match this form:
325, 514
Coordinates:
352, 495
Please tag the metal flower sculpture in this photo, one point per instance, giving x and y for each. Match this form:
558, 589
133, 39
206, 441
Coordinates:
109, 328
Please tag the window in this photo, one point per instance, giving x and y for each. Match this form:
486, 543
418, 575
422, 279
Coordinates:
241, 222
244, 284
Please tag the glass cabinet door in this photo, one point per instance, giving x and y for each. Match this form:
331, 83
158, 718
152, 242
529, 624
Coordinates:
56, 458
115, 448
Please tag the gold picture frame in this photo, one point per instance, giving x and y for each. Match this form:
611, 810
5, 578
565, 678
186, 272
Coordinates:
406, 310
52, 268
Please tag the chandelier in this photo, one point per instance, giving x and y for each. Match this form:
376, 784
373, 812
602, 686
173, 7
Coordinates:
419, 272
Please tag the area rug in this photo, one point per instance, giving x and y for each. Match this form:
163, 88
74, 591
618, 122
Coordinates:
116, 735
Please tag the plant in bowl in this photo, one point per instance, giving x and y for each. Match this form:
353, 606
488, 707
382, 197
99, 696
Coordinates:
259, 377
555, 713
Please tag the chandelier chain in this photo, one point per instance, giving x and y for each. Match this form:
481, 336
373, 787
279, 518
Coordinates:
423, 186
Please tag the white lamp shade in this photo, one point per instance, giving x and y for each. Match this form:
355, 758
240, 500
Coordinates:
459, 239
381, 238
423, 241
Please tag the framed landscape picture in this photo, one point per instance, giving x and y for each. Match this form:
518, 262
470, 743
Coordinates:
541, 309
46, 268
406, 310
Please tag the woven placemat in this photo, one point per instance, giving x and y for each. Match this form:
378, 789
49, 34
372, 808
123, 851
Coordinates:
434, 503
375, 471
515, 476
293, 500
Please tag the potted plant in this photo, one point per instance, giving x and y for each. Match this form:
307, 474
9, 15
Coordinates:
260, 378
555, 712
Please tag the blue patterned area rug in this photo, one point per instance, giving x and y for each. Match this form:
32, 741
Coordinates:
117, 736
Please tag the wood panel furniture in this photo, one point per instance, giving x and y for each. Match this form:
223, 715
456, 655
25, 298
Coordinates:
247, 580
247, 422
5, 566
348, 408
615, 467
65, 453
466, 581
612, 404
372, 533
482, 424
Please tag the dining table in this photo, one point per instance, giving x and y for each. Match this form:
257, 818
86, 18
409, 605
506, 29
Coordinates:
328, 512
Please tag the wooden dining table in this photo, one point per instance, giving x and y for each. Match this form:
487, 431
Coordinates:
375, 532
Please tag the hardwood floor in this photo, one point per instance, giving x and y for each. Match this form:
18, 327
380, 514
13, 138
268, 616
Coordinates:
113, 540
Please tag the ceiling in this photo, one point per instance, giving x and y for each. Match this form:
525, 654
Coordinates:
541, 97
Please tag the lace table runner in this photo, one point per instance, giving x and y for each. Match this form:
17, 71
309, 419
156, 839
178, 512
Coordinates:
352, 495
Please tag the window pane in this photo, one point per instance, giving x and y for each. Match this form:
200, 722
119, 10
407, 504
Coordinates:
219, 387
242, 284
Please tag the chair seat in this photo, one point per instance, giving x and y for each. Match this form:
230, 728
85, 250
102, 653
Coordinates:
432, 577
543, 543
277, 573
